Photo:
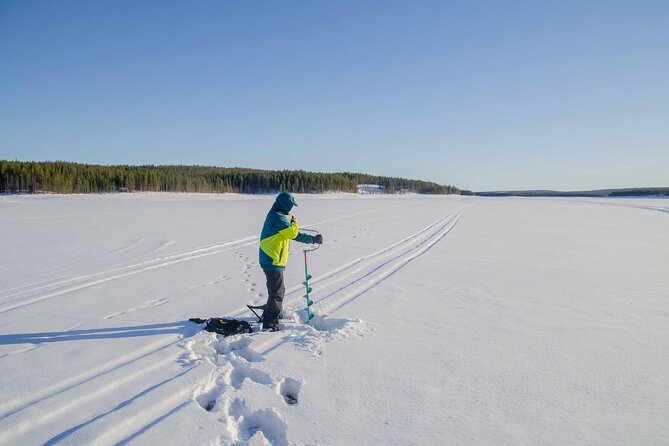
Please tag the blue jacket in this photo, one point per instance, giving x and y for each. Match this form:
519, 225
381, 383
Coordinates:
277, 232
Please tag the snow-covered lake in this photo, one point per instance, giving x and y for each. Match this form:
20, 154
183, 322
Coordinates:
440, 320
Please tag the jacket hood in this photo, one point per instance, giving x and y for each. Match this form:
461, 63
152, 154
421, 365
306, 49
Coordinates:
284, 202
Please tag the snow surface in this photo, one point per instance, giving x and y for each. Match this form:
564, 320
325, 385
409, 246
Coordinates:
440, 320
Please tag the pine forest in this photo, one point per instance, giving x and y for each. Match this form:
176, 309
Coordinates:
67, 178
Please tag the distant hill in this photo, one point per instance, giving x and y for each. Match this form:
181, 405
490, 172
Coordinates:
632, 192
65, 178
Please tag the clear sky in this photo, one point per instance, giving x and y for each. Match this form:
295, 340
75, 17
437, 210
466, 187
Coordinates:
483, 95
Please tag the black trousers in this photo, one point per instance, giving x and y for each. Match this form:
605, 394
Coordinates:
275, 292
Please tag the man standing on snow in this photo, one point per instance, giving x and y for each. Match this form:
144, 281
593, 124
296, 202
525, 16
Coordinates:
277, 232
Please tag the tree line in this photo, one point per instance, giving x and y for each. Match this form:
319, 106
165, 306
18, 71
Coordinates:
636, 192
66, 178
659, 191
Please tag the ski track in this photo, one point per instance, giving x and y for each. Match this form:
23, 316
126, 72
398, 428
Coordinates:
118, 273
129, 247
146, 305
11, 407
230, 360
663, 209
61, 406
383, 271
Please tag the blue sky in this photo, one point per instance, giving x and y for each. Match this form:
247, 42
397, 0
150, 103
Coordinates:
483, 95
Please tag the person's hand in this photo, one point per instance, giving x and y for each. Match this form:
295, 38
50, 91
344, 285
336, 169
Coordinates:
318, 239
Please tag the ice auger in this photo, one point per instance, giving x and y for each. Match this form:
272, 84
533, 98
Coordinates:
308, 276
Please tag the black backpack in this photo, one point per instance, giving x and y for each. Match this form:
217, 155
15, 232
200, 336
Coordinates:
226, 327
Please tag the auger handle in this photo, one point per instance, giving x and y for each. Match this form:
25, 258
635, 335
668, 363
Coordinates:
306, 250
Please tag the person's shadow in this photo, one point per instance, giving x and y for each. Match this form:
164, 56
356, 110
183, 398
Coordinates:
184, 328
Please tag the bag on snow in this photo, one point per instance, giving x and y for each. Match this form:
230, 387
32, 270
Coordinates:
227, 327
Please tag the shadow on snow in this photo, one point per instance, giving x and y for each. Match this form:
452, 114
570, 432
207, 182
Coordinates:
184, 328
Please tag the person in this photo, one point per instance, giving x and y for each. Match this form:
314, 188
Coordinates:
277, 232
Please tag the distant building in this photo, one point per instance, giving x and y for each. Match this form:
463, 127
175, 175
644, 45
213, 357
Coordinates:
371, 189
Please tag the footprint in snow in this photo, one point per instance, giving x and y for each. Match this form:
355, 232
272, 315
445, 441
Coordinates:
232, 360
234, 373
289, 388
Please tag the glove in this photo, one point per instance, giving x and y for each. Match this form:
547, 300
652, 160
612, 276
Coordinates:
318, 239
